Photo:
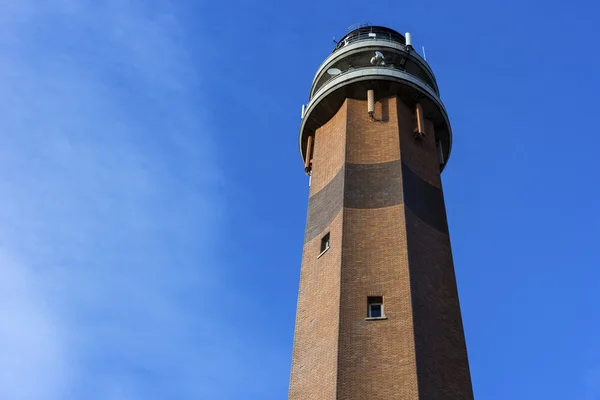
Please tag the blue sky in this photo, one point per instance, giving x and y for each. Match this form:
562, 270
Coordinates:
153, 199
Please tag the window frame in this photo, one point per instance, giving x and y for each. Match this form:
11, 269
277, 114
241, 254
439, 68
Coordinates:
372, 301
325, 240
371, 310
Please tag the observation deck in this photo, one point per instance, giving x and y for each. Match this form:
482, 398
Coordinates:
379, 58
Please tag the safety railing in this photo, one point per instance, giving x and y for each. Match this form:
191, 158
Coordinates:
324, 83
364, 35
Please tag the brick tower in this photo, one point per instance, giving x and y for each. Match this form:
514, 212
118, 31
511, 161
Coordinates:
378, 313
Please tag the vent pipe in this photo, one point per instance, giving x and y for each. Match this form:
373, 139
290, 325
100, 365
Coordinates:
440, 152
408, 39
419, 131
309, 145
371, 102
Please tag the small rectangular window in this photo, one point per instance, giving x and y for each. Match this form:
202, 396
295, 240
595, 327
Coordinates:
325, 243
375, 307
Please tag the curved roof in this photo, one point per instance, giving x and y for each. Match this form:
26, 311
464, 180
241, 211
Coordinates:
365, 30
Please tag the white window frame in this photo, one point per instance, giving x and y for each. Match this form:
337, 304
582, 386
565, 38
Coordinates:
370, 310
369, 305
328, 243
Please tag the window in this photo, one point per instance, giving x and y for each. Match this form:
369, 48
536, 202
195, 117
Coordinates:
375, 307
324, 243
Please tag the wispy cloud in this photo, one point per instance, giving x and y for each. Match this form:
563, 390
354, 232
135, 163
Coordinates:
108, 188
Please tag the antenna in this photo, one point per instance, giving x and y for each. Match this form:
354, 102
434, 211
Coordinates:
358, 25
424, 56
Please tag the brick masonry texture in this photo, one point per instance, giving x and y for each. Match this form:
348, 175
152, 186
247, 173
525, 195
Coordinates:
421, 156
367, 186
378, 191
314, 360
373, 185
324, 206
442, 363
372, 142
424, 199
376, 358
329, 150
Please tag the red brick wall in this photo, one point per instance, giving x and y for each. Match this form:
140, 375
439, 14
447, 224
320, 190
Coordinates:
372, 142
442, 363
329, 150
314, 360
388, 238
376, 358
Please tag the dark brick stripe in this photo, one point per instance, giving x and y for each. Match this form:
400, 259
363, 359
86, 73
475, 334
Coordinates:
424, 200
376, 186
324, 205
373, 185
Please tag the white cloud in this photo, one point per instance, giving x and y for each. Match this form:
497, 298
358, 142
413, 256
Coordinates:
30, 338
107, 203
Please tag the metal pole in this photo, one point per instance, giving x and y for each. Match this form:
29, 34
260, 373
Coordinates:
419, 113
308, 154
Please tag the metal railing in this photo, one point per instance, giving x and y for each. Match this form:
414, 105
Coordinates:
426, 85
359, 36
354, 27
323, 83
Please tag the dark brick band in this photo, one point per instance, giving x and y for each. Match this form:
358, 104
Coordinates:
376, 186
324, 206
424, 200
373, 185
